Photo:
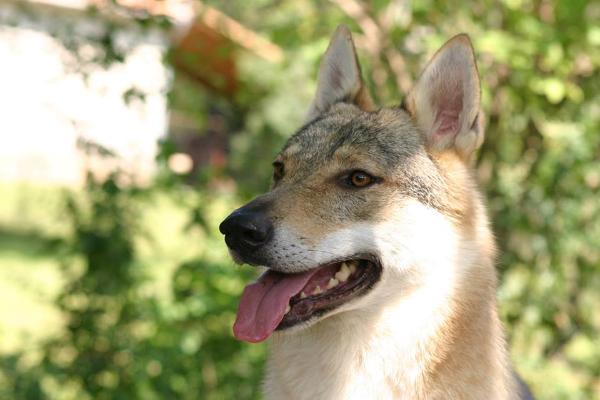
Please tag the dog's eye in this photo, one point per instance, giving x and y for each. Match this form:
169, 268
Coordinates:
278, 170
360, 179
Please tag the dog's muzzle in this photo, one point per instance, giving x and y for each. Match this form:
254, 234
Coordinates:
247, 229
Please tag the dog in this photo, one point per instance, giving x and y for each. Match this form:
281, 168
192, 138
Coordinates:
380, 279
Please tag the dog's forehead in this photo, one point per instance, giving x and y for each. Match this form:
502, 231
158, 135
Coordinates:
387, 136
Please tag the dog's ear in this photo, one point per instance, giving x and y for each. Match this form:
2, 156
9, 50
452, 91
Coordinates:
445, 100
339, 78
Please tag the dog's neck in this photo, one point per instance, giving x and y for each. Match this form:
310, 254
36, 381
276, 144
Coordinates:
428, 343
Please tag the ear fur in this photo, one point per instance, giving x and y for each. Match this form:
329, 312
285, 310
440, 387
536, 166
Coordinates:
445, 100
340, 77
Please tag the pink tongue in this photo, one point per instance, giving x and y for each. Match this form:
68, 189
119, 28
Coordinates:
264, 302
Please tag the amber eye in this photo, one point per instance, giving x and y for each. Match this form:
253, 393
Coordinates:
278, 170
360, 179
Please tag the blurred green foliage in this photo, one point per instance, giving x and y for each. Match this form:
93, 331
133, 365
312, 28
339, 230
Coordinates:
540, 167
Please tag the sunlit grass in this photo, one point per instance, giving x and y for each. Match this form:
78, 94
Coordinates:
29, 271
29, 279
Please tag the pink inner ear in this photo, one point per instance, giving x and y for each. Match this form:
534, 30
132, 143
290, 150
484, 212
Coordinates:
446, 122
447, 102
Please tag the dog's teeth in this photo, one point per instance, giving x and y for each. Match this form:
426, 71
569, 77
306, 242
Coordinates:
302, 295
353, 267
344, 272
317, 290
332, 283
288, 308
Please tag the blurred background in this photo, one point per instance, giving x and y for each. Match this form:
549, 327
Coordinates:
130, 128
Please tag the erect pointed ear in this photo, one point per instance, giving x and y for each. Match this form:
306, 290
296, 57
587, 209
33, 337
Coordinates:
445, 100
339, 76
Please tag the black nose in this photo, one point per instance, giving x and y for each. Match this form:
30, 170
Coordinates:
246, 229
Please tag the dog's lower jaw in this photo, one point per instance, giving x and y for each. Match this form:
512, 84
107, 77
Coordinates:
443, 351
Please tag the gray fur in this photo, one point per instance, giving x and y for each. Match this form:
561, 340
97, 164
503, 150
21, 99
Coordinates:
388, 137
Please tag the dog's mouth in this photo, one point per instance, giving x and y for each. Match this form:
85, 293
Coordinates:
278, 301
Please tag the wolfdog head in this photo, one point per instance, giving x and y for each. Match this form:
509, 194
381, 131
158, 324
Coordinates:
366, 203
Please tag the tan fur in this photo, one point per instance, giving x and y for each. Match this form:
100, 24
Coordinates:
429, 329
345, 356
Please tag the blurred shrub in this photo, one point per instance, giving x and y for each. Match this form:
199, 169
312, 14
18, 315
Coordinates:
120, 341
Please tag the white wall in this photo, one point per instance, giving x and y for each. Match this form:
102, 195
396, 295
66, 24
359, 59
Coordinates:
44, 106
